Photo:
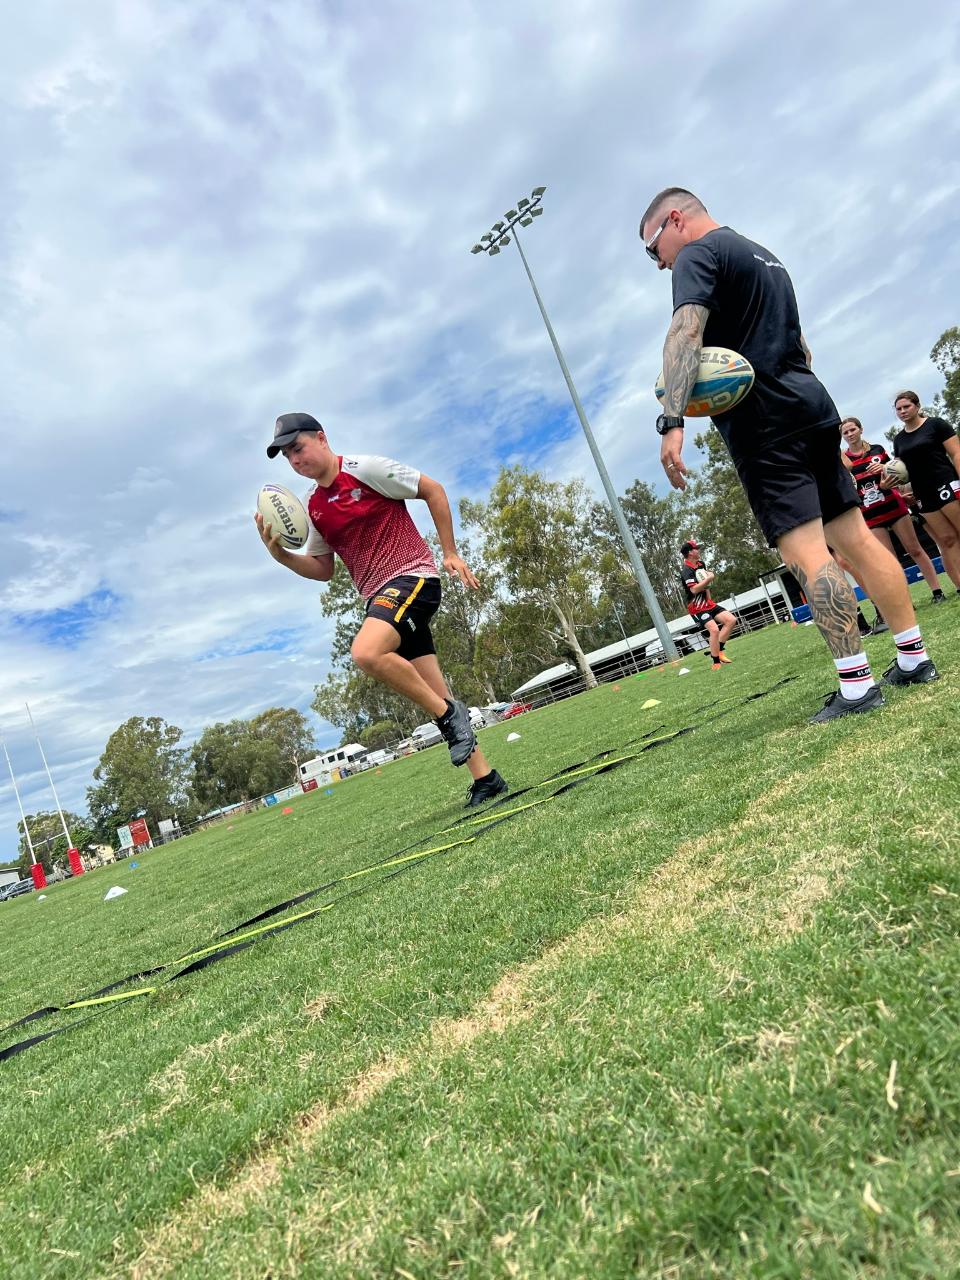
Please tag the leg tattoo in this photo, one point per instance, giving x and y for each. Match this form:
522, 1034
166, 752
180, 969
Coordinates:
834, 607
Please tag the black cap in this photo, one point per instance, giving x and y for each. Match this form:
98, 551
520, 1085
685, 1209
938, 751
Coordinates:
689, 546
288, 427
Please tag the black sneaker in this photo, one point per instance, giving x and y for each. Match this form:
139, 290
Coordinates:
926, 673
837, 705
458, 732
879, 627
938, 598
485, 789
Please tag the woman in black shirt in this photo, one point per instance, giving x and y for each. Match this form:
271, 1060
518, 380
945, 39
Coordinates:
930, 450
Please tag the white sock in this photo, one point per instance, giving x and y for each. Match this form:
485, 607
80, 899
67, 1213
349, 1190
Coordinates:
856, 679
910, 650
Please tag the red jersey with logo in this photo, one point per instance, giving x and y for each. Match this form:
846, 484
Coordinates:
697, 601
880, 506
362, 516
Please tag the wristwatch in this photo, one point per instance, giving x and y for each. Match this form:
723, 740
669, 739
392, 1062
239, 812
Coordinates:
666, 423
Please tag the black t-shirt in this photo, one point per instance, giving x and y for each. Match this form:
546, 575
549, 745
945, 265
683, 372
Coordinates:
924, 456
753, 310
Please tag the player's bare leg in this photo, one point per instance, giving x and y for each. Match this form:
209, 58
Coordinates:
876, 567
726, 621
374, 652
905, 531
713, 637
944, 525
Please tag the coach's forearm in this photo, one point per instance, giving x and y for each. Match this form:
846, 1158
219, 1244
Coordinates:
681, 358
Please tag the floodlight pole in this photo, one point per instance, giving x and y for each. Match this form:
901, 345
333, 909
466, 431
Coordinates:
526, 210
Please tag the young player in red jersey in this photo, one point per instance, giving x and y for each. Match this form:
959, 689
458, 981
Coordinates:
717, 622
357, 511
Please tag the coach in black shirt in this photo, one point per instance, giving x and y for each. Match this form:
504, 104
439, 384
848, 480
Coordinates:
783, 436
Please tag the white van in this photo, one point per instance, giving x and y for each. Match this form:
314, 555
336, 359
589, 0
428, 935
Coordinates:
345, 757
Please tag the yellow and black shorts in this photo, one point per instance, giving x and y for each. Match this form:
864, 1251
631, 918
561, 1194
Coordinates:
408, 603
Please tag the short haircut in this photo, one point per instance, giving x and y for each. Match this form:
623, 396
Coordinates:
679, 197
907, 395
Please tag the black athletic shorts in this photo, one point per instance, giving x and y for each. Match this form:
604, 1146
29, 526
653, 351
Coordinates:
932, 500
408, 603
703, 616
796, 480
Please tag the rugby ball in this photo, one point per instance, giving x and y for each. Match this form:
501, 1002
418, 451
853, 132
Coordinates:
702, 573
285, 513
896, 470
725, 377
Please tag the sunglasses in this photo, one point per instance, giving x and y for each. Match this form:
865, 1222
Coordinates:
652, 252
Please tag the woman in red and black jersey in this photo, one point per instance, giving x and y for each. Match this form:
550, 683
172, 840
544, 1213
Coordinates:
882, 505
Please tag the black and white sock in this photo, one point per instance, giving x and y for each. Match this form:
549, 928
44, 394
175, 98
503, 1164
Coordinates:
910, 649
856, 678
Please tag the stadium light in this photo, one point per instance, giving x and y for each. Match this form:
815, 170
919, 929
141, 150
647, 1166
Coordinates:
526, 211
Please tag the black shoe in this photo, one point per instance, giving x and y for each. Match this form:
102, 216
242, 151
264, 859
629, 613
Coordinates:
879, 627
926, 673
485, 789
938, 598
837, 705
458, 732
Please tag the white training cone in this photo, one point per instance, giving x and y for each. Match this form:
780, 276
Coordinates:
115, 892
41, 897
650, 702
684, 671
513, 737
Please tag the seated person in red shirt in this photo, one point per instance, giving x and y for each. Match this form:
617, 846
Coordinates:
357, 511
717, 622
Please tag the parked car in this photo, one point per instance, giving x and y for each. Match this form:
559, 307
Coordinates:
406, 747
477, 719
516, 709
427, 735
14, 890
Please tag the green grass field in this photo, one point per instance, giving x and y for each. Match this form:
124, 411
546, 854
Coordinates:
696, 1017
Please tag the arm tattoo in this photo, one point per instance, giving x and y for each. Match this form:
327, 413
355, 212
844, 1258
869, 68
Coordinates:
681, 357
834, 607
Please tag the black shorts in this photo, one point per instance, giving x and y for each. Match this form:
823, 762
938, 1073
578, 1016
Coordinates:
933, 500
703, 616
797, 480
408, 603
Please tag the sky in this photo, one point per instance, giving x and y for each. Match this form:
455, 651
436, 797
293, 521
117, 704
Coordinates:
213, 212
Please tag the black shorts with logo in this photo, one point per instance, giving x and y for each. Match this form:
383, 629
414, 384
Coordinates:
796, 480
703, 616
408, 603
935, 499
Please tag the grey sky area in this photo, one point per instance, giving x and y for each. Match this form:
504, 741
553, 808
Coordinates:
211, 213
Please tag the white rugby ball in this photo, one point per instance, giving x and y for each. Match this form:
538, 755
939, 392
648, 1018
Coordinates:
285, 513
724, 379
896, 470
702, 573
